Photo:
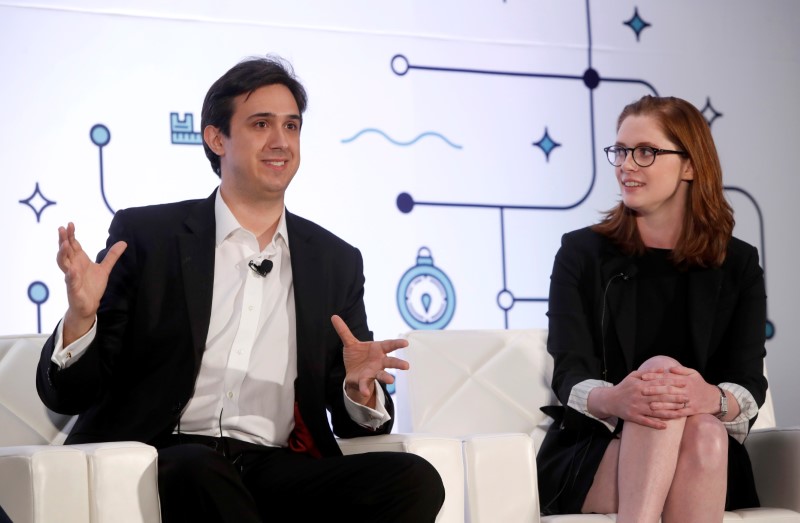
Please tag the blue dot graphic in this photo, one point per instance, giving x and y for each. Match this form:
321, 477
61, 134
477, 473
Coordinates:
405, 202
38, 292
100, 135
770, 330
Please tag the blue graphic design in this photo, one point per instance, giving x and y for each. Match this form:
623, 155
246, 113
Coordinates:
591, 79
37, 202
636, 23
709, 112
425, 295
403, 144
547, 144
38, 294
770, 327
100, 136
182, 130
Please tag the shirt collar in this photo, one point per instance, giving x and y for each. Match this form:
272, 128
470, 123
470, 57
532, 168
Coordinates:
227, 223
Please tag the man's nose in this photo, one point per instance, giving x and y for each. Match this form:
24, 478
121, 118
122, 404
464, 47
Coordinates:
277, 139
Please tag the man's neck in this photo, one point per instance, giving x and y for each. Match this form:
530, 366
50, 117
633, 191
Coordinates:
261, 217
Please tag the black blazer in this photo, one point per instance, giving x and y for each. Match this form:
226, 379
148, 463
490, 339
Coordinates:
593, 286
139, 373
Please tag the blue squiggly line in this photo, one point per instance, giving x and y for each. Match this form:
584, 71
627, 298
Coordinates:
404, 144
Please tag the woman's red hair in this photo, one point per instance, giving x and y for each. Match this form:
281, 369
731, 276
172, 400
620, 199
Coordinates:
708, 221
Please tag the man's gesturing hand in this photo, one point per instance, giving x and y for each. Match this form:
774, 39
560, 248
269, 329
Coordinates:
86, 281
366, 361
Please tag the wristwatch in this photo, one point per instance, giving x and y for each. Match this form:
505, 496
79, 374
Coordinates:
723, 404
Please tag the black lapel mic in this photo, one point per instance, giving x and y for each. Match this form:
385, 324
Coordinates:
628, 274
262, 269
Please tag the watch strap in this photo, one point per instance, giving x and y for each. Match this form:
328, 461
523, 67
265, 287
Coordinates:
723, 403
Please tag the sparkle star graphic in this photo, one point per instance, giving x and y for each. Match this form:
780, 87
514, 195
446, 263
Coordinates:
38, 202
636, 23
547, 144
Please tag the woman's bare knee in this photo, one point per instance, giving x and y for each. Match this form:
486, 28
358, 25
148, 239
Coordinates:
704, 445
659, 362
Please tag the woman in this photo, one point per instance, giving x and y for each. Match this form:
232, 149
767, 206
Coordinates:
657, 325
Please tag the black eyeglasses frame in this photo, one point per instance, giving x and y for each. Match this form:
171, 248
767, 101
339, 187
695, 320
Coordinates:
656, 151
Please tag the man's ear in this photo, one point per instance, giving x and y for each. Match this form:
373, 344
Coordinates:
213, 138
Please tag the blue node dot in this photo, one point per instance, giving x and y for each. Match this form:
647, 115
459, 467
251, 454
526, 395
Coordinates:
770, 331
100, 135
399, 65
38, 292
591, 78
405, 202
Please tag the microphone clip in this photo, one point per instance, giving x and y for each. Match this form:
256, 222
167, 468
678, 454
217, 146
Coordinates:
262, 269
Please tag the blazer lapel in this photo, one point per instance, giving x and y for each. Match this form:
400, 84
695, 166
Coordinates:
309, 283
196, 248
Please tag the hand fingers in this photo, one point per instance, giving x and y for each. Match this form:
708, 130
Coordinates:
113, 255
343, 330
668, 405
73, 242
647, 421
391, 362
663, 378
385, 377
665, 388
682, 371
62, 235
363, 385
637, 374
388, 346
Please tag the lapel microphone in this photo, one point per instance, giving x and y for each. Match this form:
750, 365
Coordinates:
262, 269
628, 274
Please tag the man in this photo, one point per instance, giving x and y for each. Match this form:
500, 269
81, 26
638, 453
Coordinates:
219, 331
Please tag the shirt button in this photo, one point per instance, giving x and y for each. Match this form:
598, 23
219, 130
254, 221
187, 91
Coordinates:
230, 395
250, 308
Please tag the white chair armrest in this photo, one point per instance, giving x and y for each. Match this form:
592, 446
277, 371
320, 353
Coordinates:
42, 483
123, 482
501, 478
775, 455
443, 453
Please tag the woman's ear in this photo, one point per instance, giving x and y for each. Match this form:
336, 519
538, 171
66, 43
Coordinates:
687, 173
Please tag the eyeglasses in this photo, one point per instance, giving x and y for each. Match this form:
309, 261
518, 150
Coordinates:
643, 155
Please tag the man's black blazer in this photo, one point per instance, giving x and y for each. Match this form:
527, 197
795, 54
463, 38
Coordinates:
593, 287
139, 373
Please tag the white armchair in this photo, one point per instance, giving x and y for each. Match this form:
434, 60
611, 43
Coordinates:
42, 481
486, 387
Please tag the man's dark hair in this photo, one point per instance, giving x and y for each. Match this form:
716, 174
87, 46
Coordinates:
244, 78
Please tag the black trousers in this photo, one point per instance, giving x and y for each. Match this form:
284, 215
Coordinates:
226, 480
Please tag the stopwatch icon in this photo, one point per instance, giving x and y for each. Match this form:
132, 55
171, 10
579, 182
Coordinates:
425, 296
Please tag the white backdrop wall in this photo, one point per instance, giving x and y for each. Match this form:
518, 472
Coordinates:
452, 142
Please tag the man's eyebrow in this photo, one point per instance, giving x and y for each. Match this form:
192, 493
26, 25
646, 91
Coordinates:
273, 115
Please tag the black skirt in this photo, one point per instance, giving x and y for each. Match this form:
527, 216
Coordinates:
569, 458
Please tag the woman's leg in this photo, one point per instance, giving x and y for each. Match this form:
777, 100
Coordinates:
701, 477
647, 462
641, 465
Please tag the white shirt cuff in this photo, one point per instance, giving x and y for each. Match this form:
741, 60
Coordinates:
579, 400
739, 426
66, 356
365, 416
